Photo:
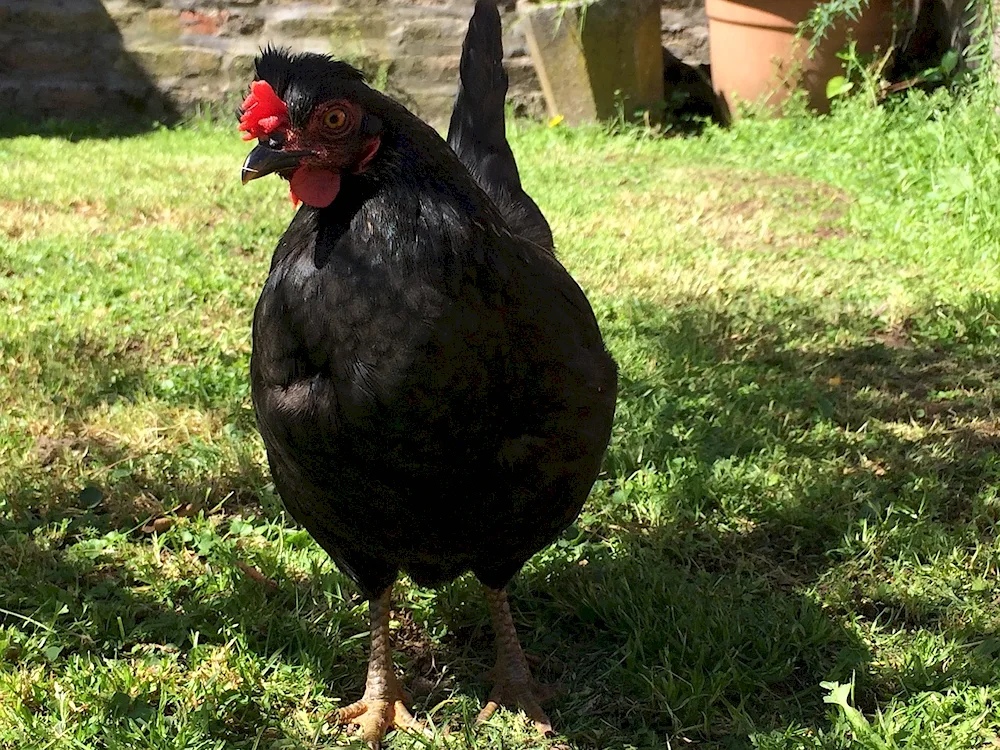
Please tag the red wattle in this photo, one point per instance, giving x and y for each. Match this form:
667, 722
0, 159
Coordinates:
314, 187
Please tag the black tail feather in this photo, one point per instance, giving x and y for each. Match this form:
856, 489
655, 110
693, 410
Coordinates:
477, 130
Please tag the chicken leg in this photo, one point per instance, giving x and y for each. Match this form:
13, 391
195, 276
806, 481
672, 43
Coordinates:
381, 707
514, 687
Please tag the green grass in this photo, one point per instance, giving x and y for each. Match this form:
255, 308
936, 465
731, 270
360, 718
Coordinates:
802, 486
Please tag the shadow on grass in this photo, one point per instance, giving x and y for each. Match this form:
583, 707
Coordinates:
750, 450
769, 458
83, 370
80, 128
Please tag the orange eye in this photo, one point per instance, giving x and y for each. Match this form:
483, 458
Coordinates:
335, 119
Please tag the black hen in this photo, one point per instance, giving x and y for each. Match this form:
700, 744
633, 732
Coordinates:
430, 383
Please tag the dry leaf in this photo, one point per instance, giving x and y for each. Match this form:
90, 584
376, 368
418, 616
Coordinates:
257, 576
186, 510
158, 525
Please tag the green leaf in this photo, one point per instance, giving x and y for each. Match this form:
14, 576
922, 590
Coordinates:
838, 86
840, 696
949, 61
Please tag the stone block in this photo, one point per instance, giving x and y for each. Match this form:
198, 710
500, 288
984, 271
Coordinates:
208, 94
178, 62
514, 42
203, 22
595, 58
433, 107
418, 36
243, 23
457, 6
121, 15
379, 72
521, 74
421, 72
143, 4
41, 57
55, 16
239, 71
530, 104
363, 5
686, 6
311, 22
684, 31
162, 23
66, 98
126, 66
133, 87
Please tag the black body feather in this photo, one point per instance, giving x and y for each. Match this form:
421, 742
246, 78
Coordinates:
431, 386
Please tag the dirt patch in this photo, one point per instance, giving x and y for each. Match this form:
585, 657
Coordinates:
748, 210
27, 218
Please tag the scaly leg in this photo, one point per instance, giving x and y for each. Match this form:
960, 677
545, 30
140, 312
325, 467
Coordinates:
381, 707
514, 686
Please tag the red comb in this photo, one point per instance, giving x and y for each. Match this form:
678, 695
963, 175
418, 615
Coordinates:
263, 112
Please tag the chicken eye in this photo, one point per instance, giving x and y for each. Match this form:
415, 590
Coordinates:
335, 119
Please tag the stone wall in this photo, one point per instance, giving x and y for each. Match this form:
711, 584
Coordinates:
160, 58
164, 56
684, 28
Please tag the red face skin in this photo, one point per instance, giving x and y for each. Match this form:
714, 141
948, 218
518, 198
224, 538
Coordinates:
331, 135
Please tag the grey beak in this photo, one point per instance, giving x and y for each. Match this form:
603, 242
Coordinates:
264, 160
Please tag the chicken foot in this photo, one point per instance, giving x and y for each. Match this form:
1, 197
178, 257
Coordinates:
382, 706
514, 687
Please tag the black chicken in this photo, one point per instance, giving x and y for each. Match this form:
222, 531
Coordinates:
430, 383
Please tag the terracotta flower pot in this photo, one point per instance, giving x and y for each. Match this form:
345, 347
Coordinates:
756, 58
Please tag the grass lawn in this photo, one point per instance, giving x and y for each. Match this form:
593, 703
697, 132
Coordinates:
794, 541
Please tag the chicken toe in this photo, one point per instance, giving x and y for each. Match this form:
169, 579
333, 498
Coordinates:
514, 687
382, 707
376, 716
